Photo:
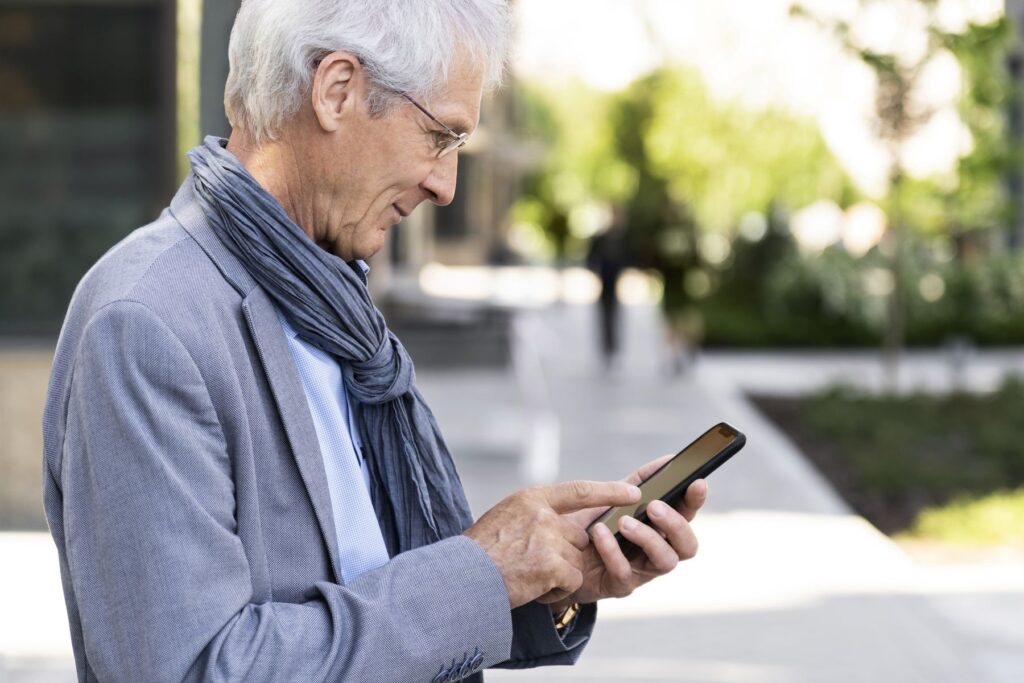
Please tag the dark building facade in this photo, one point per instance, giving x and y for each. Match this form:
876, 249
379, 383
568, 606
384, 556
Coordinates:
87, 142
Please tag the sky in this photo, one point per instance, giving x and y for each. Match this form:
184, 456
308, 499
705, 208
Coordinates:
755, 52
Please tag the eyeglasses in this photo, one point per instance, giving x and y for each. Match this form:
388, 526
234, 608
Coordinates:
451, 140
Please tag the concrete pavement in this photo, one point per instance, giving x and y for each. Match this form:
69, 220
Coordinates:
789, 585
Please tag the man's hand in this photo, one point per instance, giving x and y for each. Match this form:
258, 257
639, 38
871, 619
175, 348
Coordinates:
607, 572
536, 543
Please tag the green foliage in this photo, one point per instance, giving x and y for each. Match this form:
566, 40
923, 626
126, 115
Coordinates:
943, 453
833, 299
978, 199
685, 165
720, 160
725, 160
974, 196
986, 299
673, 155
579, 164
994, 519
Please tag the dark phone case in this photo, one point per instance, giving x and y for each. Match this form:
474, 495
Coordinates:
676, 494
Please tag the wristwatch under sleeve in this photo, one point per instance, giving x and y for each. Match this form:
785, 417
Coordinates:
566, 617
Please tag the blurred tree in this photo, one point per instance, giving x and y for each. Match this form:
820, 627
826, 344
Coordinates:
701, 167
1015, 118
723, 159
665, 148
973, 196
579, 163
979, 198
691, 169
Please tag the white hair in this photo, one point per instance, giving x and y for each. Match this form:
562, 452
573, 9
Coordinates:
406, 46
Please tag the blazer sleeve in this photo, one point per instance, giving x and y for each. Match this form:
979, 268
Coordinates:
536, 641
161, 579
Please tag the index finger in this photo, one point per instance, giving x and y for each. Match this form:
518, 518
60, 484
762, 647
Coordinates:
570, 496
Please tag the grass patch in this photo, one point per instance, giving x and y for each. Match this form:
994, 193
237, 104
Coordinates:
996, 519
945, 468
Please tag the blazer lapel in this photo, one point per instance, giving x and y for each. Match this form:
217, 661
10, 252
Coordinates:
292, 404
285, 385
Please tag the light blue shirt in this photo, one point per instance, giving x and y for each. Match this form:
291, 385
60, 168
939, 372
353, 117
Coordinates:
360, 542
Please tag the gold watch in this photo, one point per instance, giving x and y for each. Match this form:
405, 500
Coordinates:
566, 617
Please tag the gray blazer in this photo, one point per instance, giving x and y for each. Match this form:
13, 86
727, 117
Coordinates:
186, 493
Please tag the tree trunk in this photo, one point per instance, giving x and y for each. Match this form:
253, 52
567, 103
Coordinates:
895, 332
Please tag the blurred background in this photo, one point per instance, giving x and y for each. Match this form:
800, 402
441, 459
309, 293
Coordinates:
805, 217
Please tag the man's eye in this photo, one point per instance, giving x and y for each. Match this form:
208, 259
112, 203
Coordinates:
441, 138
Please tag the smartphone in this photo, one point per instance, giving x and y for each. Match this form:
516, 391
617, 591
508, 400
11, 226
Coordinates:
670, 481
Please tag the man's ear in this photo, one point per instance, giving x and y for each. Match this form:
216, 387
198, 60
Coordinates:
334, 90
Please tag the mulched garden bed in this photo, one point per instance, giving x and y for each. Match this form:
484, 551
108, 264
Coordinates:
891, 457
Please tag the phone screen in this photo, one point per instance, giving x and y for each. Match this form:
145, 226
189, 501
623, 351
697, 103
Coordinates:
676, 470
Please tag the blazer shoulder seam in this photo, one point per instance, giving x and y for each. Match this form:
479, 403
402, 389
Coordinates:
144, 274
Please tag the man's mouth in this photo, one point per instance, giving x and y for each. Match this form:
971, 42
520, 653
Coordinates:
398, 214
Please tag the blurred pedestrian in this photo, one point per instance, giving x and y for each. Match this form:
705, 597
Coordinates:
607, 259
678, 262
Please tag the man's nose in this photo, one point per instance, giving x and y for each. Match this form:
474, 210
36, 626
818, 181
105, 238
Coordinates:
440, 184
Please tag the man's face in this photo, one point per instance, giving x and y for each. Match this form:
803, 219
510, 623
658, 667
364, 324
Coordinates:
375, 170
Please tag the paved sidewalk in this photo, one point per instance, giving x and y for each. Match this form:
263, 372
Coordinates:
789, 586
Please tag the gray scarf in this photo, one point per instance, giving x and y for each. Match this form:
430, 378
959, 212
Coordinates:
415, 490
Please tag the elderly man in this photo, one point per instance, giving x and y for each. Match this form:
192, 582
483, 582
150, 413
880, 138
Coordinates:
241, 478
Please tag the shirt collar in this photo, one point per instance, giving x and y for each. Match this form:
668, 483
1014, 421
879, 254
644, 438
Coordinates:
362, 268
